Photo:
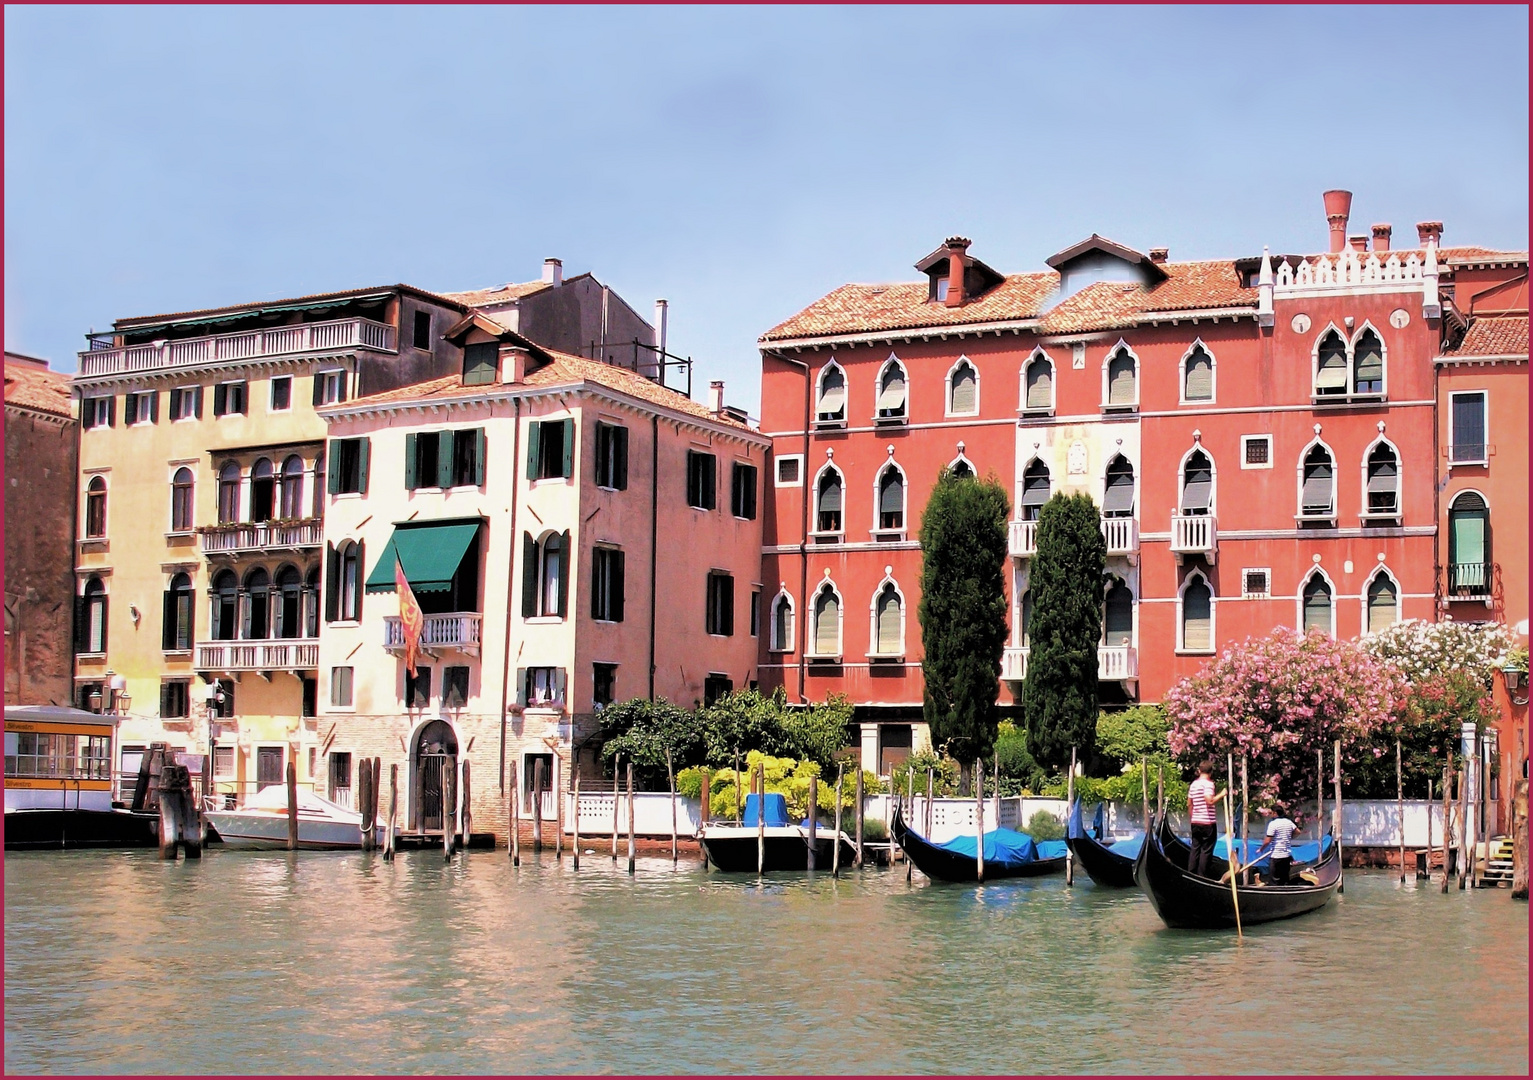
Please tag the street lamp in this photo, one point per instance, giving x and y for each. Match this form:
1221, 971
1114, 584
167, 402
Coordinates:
213, 696
121, 699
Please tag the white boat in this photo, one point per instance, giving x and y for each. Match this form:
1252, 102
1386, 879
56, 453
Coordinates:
263, 822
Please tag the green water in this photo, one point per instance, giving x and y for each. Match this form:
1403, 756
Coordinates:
320, 963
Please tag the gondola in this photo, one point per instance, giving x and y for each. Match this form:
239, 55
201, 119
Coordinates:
1186, 901
1109, 864
1008, 854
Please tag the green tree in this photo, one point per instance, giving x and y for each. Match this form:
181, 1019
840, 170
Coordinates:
1126, 736
1060, 690
642, 731
963, 612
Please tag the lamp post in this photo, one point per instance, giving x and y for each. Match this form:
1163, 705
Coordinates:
213, 695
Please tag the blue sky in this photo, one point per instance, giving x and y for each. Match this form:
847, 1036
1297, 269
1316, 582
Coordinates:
738, 161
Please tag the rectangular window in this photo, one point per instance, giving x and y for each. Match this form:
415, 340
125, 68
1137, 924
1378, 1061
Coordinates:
702, 480
1255, 584
1467, 433
223, 761
720, 617
268, 766
543, 687
1256, 451
141, 408
310, 703
716, 686
755, 613
97, 412
418, 688
421, 339
229, 399
468, 457
340, 687
612, 456
329, 387
790, 470
340, 778
479, 362
175, 699
607, 566
348, 466
550, 449
281, 393
454, 687
422, 455
603, 684
186, 403
742, 492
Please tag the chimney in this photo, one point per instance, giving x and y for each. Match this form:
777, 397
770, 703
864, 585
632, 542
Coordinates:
1430, 232
651, 369
1338, 206
513, 363
553, 272
716, 396
1359, 243
1381, 233
956, 246
1265, 316
1159, 255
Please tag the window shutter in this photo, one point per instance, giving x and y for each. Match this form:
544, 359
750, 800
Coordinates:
1381, 604
566, 556
567, 434
529, 576
168, 621
1197, 621
615, 601
891, 494
1119, 621
1467, 537
830, 494
1317, 607
333, 464
1468, 426
832, 396
963, 390
827, 624
1120, 380
1332, 373
888, 623
711, 481
319, 388
186, 618
332, 582
726, 605
750, 492
1040, 385
220, 398
444, 458
1198, 488
534, 435
341, 379
245, 614
620, 455
154, 406
891, 398
111, 412
1200, 378
521, 687
411, 448
1370, 364
81, 624
363, 452
197, 402
561, 684
1119, 497
361, 589
479, 448
1317, 486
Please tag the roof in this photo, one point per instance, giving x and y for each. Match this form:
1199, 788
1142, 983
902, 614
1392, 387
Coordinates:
28, 386
503, 294
1095, 242
1505, 335
140, 321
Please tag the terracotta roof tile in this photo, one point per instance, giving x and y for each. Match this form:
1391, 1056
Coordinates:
497, 294
1499, 336
137, 321
30, 387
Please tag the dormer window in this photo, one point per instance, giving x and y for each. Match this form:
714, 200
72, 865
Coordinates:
939, 289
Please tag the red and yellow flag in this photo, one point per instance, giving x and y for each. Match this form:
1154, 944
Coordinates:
411, 621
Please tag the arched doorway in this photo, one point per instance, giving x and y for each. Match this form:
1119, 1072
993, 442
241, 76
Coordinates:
435, 745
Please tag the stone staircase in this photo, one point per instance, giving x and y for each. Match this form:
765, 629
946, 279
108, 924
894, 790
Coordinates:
1498, 863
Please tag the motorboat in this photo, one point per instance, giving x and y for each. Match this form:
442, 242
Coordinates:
263, 822
775, 844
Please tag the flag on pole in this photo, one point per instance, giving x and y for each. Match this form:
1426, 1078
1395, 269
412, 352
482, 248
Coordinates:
410, 618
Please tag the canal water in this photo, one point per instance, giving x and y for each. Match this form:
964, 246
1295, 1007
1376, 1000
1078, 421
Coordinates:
321, 963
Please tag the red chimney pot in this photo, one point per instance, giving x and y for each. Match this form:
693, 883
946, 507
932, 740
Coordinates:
1381, 234
1429, 231
1338, 207
956, 247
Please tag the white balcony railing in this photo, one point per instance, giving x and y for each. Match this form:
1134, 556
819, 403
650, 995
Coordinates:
1121, 534
261, 535
458, 630
1014, 663
246, 345
1116, 662
1194, 534
276, 654
1023, 539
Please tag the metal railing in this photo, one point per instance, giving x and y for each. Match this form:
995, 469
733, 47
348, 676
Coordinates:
456, 630
1194, 534
1470, 580
275, 654
261, 535
246, 345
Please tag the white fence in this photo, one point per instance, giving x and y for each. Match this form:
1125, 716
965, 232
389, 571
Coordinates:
1364, 822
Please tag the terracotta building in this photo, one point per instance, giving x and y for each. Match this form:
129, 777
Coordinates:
41, 444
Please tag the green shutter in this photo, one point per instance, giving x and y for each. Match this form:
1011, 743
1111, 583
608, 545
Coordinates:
567, 433
479, 457
615, 605
363, 451
411, 446
168, 621
333, 465
529, 576
1467, 537
534, 435
565, 557
332, 583
620, 471
444, 459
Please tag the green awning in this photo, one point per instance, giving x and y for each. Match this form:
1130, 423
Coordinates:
430, 555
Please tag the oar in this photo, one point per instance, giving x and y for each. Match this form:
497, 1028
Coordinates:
1229, 822
1250, 863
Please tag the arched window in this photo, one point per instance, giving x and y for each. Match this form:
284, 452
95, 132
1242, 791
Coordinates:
95, 508
1317, 496
1118, 617
224, 613
176, 625
1316, 597
349, 594
1469, 562
256, 622
1035, 489
1197, 484
1197, 615
317, 486
1038, 384
1118, 498
1027, 617
963, 390
828, 501
1198, 376
888, 622
782, 623
289, 606
292, 488
228, 493
1368, 364
891, 498
832, 395
311, 605
545, 575
892, 393
262, 491
1383, 602
181, 515
1383, 482
1331, 365
1122, 380
93, 617
961, 468
827, 622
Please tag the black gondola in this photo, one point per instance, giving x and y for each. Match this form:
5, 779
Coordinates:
1111, 865
1186, 901
1004, 856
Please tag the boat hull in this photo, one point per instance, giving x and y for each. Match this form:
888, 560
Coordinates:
940, 864
1103, 865
268, 832
57, 828
735, 849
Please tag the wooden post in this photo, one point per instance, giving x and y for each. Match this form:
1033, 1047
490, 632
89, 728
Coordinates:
630, 817
1319, 798
1070, 808
575, 811
996, 764
1520, 841
171, 825
814, 817
910, 808
1144, 785
835, 858
388, 841
1340, 851
516, 816
466, 818
292, 806
1160, 792
1465, 832
537, 806
377, 799
1245, 810
448, 816
557, 787
704, 810
1229, 827
926, 814
617, 799
1447, 822
1400, 802
979, 824
1424, 859
857, 816
364, 768
758, 782
739, 802
670, 777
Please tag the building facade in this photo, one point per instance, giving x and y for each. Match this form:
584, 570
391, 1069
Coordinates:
41, 443
574, 534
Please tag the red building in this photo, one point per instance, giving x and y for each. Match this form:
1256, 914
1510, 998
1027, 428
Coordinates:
1259, 433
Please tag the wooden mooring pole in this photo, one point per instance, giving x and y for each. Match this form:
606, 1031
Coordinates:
1245, 811
1447, 818
1400, 802
835, 858
292, 806
857, 815
1144, 785
516, 817
1234, 860
449, 778
630, 817
1320, 800
575, 812
910, 808
670, 779
617, 799
466, 818
926, 811
1424, 859
814, 817
704, 809
388, 840
557, 787
1070, 809
979, 824
364, 773
1341, 886
758, 784
537, 806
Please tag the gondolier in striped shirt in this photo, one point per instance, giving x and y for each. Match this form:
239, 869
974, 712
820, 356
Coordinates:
1201, 800
1280, 832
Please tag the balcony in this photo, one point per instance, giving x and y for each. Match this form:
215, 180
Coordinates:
1471, 581
1194, 534
1022, 540
457, 630
1014, 663
1122, 535
1114, 663
300, 338
276, 654
238, 537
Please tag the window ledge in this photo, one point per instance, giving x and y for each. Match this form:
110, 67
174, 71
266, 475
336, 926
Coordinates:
339, 624
827, 537
180, 534
176, 654
820, 422
544, 709
430, 489
1037, 413
94, 543
550, 480
891, 421
91, 657
888, 536
886, 658
1328, 520
343, 710
1120, 408
823, 658
543, 620
1472, 463
1195, 652
1391, 517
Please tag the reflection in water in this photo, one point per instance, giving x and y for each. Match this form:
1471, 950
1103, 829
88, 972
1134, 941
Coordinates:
266, 962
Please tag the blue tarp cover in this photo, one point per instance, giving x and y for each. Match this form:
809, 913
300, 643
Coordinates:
1007, 847
776, 810
1128, 847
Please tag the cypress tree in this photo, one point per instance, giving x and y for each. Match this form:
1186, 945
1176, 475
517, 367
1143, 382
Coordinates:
963, 612
1060, 690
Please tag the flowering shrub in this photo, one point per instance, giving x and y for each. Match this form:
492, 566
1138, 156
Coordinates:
1419, 649
784, 776
1428, 726
1276, 700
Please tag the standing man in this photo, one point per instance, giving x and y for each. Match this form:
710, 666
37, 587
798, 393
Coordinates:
1280, 832
1201, 800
